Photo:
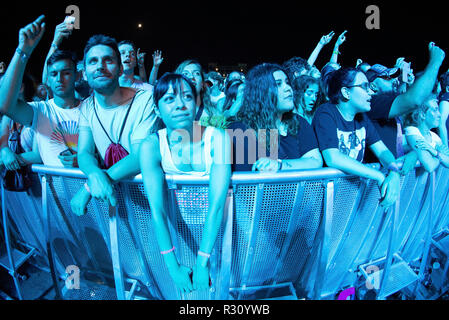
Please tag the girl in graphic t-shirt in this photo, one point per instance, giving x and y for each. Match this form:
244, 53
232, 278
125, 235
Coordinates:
184, 147
428, 145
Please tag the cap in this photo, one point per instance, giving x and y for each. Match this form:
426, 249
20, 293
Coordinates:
379, 70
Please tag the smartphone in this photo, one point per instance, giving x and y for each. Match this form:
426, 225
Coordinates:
405, 71
70, 22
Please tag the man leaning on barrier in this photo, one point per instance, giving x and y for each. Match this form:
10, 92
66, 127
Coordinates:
114, 120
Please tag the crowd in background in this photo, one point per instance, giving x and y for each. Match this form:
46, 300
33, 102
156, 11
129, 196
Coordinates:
104, 114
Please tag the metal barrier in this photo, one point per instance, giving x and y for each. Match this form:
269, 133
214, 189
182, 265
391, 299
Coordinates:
309, 233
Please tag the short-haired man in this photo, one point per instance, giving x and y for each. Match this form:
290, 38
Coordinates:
387, 104
129, 61
54, 121
111, 116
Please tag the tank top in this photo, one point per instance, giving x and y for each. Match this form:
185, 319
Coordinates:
166, 157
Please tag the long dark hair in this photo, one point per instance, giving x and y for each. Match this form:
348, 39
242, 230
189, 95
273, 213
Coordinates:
260, 100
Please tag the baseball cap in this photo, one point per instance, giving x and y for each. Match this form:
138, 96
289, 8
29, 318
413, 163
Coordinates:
378, 70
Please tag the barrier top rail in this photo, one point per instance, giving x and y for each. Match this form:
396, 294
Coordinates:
237, 177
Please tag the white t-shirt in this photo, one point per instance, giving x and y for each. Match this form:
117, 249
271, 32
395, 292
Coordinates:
414, 131
138, 84
139, 124
56, 129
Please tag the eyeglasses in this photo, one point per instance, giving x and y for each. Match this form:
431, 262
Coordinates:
366, 86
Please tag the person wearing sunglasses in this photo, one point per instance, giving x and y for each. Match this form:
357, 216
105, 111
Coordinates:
389, 105
344, 131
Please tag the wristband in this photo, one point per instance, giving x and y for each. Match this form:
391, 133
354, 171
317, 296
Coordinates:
168, 251
54, 45
23, 55
86, 187
336, 52
203, 254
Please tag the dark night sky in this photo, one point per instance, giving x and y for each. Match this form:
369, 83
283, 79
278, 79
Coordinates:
231, 32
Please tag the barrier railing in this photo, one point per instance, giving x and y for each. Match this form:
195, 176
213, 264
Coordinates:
309, 233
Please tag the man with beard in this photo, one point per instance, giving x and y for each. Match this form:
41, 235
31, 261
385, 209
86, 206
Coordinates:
114, 120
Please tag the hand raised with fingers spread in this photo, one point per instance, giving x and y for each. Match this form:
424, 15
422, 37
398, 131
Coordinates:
157, 58
30, 35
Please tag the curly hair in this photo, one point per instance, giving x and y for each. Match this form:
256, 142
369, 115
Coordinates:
259, 107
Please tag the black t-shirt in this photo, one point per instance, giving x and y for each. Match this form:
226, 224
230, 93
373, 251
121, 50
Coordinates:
386, 128
245, 150
349, 137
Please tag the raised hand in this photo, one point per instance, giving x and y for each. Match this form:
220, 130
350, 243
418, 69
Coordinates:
62, 31
341, 38
157, 58
140, 57
327, 38
30, 35
437, 55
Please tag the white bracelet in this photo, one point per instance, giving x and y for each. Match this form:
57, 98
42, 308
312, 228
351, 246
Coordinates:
203, 254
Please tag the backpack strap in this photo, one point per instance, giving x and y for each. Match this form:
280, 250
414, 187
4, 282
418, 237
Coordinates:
124, 121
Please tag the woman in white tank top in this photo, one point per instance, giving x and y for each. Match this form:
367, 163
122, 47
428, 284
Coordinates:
184, 147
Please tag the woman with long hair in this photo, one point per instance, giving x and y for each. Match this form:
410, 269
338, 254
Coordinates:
267, 111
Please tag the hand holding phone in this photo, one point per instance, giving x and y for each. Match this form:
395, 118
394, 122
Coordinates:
70, 22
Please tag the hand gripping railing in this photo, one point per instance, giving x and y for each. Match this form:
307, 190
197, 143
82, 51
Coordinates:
308, 229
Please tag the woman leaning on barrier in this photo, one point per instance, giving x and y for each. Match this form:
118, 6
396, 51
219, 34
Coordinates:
285, 140
427, 144
344, 131
184, 147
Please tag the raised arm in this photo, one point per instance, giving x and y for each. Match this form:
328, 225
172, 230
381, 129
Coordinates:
323, 41
157, 61
422, 86
18, 110
338, 43
141, 65
62, 31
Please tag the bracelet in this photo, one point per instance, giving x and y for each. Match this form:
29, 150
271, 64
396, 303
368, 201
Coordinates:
23, 55
168, 251
203, 254
87, 187
336, 52
54, 45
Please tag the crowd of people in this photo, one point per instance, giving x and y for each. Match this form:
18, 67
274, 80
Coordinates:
100, 115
